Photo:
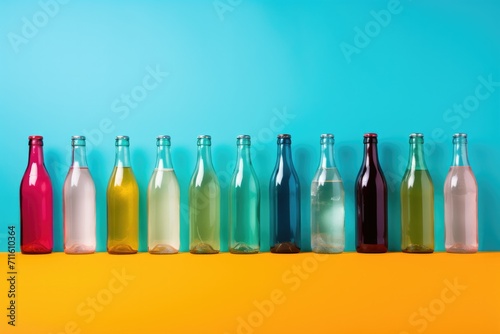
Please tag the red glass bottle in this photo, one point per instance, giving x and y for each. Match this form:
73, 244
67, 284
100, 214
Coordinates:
36, 202
371, 202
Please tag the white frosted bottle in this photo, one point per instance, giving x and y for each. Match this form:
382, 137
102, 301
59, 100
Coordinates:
327, 203
79, 203
460, 198
163, 203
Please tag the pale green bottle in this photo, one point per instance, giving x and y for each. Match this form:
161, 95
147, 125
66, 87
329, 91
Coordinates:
417, 202
204, 203
244, 202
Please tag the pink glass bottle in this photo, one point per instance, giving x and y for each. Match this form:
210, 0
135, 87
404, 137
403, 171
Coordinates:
36, 202
460, 201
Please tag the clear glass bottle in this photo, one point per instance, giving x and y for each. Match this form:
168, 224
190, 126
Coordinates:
460, 198
36, 202
371, 201
284, 196
79, 203
327, 202
417, 202
244, 203
204, 203
123, 203
163, 203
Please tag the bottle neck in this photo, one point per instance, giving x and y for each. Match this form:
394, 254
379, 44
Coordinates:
243, 156
122, 157
327, 159
35, 154
79, 157
163, 160
460, 157
371, 154
284, 152
416, 160
205, 156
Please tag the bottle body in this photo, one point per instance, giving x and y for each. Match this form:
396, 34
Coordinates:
461, 202
163, 204
284, 196
79, 204
204, 203
327, 203
371, 202
36, 203
123, 204
417, 202
244, 203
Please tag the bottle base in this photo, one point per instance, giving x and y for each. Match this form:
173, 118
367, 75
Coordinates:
327, 250
242, 248
121, 249
461, 249
35, 249
371, 248
163, 249
203, 248
79, 249
285, 248
418, 249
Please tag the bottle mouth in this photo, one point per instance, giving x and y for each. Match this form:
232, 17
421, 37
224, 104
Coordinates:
327, 135
370, 135
243, 137
460, 135
122, 138
416, 135
35, 137
204, 137
163, 137
77, 137
284, 136
35, 140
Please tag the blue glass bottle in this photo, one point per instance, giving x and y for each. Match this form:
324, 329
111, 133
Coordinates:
284, 196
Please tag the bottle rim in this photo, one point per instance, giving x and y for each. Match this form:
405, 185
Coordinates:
460, 135
122, 137
327, 135
163, 137
77, 137
416, 135
204, 137
370, 135
284, 136
243, 137
35, 137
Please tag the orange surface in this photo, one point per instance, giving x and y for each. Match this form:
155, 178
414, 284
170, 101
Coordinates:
265, 293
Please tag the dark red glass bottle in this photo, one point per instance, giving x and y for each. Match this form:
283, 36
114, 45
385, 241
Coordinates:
371, 202
36, 202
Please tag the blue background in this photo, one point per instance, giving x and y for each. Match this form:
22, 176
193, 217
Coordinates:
233, 66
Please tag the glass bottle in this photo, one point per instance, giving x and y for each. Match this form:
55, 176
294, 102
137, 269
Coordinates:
79, 203
417, 202
36, 202
244, 203
123, 203
327, 203
284, 195
371, 201
204, 203
163, 203
460, 198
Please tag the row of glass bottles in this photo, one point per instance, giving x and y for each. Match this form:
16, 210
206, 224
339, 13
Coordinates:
327, 202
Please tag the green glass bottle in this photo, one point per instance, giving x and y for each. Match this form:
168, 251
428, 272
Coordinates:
417, 202
204, 203
123, 203
244, 203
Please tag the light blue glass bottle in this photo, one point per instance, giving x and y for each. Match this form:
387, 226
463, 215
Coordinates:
244, 203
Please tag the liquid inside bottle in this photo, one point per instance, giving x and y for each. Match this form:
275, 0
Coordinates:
123, 203
36, 202
204, 203
79, 203
327, 203
244, 203
417, 202
163, 203
461, 204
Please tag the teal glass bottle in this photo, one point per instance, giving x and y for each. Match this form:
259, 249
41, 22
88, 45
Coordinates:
204, 203
327, 203
244, 202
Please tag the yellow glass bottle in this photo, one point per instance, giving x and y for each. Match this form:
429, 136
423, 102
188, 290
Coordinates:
123, 203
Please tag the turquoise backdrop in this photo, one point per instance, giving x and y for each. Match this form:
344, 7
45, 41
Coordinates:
229, 67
